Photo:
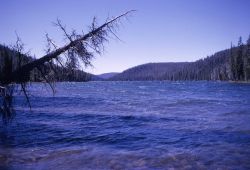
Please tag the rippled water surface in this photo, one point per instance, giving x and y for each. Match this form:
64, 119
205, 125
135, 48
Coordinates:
130, 125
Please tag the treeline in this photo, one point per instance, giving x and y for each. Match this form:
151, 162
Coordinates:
11, 60
240, 61
228, 65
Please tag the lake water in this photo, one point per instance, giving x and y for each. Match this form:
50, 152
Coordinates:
130, 125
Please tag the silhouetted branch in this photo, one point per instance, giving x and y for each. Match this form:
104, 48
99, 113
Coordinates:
58, 23
78, 46
78, 52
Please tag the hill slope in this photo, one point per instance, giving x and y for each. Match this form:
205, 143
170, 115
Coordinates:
62, 74
231, 64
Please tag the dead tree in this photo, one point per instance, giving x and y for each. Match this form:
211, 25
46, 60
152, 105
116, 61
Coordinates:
79, 51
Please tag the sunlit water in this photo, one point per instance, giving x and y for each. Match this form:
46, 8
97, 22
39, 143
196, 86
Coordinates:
130, 125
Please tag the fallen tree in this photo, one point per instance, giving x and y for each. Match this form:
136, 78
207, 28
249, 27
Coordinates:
78, 52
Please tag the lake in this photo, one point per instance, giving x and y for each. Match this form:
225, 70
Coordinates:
130, 125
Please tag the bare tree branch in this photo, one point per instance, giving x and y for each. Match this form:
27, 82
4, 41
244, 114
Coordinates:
80, 50
97, 36
58, 23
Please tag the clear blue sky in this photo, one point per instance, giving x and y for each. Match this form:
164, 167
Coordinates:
160, 30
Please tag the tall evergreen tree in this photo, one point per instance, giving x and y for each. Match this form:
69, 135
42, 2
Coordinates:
247, 60
232, 63
239, 61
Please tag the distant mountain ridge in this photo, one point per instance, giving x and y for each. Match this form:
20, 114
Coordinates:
107, 75
149, 71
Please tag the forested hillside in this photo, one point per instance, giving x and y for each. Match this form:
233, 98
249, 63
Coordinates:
231, 64
10, 59
228, 65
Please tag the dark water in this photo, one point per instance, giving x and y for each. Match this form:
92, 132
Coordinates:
130, 125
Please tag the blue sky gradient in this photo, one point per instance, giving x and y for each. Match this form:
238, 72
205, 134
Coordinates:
160, 30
